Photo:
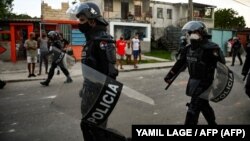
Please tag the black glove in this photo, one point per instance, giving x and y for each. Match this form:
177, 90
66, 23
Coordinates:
113, 72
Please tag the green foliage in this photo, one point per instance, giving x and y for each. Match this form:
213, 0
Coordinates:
6, 11
19, 16
160, 54
5, 8
228, 19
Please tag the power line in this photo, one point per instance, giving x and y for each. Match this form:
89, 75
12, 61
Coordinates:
240, 2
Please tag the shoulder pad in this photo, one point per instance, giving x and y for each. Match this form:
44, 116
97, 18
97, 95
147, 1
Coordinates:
211, 45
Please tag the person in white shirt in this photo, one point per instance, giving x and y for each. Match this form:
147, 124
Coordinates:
135, 47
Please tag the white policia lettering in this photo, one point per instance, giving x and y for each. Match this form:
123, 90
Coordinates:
107, 101
226, 91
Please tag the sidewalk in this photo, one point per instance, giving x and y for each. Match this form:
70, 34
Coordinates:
18, 72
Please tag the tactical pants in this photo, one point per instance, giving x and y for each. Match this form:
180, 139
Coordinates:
196, 106
236, 53
53, 67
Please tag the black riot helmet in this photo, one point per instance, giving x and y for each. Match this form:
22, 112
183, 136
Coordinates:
91, 11
53, 35
196, 26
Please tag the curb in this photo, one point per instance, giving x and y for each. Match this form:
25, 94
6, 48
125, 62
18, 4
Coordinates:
22, 80
141, 69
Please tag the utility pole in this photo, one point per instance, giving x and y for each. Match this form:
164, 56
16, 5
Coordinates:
190, 10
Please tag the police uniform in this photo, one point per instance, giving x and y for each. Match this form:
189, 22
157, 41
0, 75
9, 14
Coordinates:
99, 53
245, 69
57, 58
200, 59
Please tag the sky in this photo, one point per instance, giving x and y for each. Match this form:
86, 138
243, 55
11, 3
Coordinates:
33, 7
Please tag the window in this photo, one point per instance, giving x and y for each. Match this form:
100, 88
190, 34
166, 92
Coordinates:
137, 10
169, 13
208, 13
108, 5
160, 13
149, 13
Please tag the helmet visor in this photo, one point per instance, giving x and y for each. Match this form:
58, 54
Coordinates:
75, 10
191, 27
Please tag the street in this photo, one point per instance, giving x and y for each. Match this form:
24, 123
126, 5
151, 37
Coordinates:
30, 112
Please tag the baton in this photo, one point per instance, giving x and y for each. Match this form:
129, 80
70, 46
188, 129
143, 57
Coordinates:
244, 78
175, 76
172, 80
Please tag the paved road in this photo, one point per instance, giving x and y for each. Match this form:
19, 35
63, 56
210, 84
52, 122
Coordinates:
30, 112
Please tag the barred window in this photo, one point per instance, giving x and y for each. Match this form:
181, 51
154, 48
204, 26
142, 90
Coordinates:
149, 13
169, 13
160, 13
108, 5
137, 10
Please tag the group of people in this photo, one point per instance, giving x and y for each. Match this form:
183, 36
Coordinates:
128, 48
199, 55
43, 48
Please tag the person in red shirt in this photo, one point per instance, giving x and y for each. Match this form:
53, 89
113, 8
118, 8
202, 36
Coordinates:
120, 50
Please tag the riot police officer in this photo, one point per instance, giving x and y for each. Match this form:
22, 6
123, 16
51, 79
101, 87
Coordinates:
98, 54
57, 58
246, 67
200, 57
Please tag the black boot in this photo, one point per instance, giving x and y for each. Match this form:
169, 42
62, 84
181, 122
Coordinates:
45, 83
68, 80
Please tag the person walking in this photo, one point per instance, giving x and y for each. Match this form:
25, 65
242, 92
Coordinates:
200, 57
98, 54
57, 58
236, 50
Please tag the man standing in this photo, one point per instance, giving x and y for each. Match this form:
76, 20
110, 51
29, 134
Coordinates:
44, 52
31, 48
98, 54
135, 47
120, 50
201, 57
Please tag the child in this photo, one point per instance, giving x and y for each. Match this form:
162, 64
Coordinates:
128, 53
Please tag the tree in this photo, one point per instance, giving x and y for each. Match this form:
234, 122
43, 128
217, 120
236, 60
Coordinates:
228, 19
19, 16
5, 8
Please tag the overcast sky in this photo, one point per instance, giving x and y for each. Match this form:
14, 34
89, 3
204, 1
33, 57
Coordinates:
33, 7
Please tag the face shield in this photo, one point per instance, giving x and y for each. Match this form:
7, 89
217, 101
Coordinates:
74, 10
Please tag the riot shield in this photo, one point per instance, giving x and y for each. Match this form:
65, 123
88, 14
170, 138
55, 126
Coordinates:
221, 86
99, 94
60, 56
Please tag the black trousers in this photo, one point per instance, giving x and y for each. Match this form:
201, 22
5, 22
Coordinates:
196, 106
236, 53
53, 67
43, 57
247, 86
